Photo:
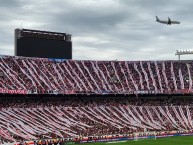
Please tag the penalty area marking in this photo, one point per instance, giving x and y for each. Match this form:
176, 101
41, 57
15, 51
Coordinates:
116, 141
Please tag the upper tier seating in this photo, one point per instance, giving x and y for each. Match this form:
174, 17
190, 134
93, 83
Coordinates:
45, 76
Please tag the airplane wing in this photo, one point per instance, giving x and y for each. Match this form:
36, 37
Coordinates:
169, 21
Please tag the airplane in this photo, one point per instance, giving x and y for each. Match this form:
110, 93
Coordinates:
169, 22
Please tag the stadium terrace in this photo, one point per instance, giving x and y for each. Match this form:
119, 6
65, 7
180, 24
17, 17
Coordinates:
56, 101
48, 76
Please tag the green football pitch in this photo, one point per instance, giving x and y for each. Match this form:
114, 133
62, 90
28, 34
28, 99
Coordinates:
185, 140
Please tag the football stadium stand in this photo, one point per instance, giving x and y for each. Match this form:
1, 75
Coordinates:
35, 117
47, 98
44, 76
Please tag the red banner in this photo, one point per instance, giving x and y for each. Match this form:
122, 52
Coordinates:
7, 91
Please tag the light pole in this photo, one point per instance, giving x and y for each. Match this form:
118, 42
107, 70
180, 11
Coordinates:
183, 52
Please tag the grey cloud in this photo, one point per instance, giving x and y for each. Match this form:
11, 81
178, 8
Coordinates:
120, 29
10, 3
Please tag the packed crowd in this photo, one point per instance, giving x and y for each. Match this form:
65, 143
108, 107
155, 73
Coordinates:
68, 77
31, 118
56, 116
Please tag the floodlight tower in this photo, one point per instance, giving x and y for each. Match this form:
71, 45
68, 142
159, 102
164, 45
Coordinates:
183, 52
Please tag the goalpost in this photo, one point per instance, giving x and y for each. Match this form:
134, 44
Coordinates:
135, 137
144, 135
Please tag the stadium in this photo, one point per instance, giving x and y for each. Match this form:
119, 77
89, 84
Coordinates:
51, 101
95, 72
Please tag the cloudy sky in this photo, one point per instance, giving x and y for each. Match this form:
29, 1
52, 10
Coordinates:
104, 29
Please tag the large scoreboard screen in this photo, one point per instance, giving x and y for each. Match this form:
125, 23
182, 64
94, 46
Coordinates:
43, 44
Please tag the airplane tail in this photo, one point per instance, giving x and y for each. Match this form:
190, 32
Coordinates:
157, 19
